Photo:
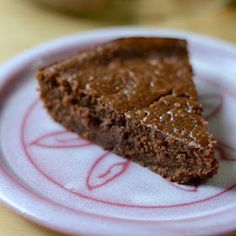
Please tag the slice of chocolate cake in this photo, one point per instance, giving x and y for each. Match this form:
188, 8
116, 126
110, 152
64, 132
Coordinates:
135, 97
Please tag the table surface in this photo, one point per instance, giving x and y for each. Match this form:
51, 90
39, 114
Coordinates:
24, 24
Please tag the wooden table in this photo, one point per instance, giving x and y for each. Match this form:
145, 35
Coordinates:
24, 25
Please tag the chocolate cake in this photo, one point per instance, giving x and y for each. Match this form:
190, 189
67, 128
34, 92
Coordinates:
136, 98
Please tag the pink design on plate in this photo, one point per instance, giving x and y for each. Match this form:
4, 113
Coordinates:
60, 139
227, 153
212, 104
99, 176
104, 170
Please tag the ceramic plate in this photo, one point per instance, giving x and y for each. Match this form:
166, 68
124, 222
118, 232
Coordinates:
58, 180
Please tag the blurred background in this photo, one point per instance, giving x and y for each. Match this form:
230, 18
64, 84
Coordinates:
26, 23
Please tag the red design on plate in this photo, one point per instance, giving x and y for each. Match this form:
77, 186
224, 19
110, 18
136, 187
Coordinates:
227, 153
99, 176
100, 173
212, 104
60, 139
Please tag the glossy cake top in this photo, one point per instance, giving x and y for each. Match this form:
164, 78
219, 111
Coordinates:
146, 79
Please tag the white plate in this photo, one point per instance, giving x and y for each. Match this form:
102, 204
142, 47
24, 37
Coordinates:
53, 178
